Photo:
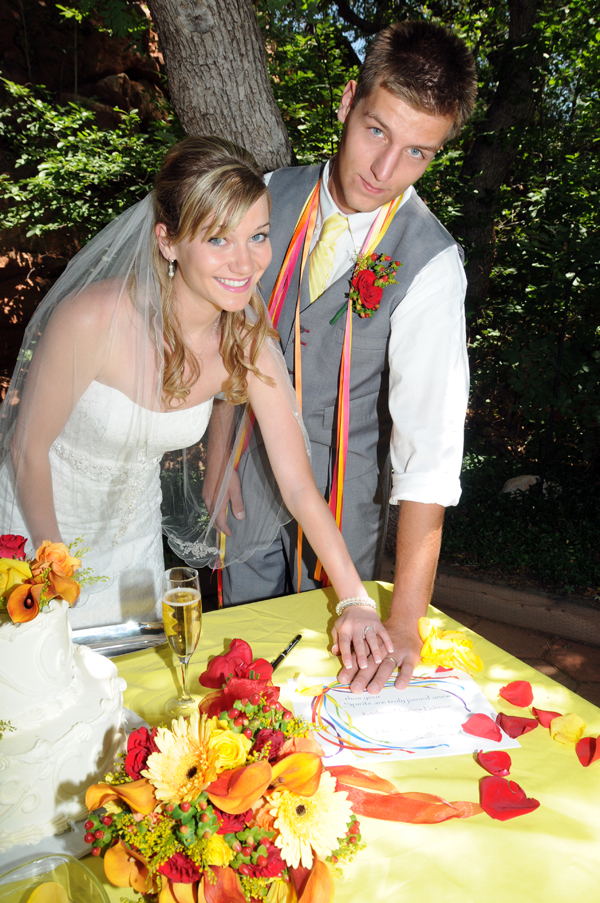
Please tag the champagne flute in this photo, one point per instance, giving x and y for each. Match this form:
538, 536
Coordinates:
182, 617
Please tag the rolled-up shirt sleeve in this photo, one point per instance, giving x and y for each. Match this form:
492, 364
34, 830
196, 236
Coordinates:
429, 384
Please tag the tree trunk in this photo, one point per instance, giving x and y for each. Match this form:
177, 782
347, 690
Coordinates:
488, 163
217, 75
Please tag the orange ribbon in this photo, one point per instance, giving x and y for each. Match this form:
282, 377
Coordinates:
375, 797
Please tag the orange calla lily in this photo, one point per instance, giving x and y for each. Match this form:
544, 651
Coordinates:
139, 795
126, 868
314, 885
301, 744
65, 587
24, 603
300, 772
227, 888
236, 791
176, 892
319, 888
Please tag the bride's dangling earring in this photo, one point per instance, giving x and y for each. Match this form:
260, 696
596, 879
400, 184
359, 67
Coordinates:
171, 268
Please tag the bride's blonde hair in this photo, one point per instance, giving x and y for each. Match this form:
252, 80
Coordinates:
208, 182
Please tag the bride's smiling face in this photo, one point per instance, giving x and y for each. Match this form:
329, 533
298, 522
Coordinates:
222, 270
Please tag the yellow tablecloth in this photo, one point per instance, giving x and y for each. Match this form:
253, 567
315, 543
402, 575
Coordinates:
550, 855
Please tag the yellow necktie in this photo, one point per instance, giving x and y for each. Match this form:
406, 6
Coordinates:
323, 255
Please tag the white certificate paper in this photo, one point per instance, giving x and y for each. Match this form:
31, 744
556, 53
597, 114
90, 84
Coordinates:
423, 721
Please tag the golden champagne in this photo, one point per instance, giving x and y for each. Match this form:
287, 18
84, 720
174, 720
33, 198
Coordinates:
182, 617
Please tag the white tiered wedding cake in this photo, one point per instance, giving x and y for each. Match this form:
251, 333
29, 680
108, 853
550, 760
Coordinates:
65, 704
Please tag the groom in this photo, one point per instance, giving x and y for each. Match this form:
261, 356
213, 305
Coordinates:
408, 383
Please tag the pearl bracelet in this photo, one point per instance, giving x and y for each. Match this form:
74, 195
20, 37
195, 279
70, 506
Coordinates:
355, 600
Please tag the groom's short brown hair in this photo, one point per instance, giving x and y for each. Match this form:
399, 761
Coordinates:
425, 65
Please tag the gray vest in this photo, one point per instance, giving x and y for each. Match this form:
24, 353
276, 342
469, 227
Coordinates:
414, 238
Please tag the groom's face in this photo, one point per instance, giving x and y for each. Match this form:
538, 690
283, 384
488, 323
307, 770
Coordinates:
386, 146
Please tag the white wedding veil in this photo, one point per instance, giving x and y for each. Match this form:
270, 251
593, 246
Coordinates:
101, 439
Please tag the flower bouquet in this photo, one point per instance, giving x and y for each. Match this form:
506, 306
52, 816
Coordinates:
231, 805
26, 587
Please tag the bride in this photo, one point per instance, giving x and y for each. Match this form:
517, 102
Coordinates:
156, 317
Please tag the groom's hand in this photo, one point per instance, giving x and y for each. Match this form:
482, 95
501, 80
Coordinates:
232, 498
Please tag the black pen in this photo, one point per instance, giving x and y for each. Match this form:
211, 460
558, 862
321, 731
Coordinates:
277, 661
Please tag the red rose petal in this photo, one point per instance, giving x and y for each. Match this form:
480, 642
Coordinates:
518, 692
588, 750
504, 799
515, 726
544, 716
497, 763
482, 726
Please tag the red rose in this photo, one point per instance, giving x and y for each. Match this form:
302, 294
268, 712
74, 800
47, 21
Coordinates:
268, 735
12, 546
274, 866
370, 294
140, 745
230, 824
237, 662
180, 869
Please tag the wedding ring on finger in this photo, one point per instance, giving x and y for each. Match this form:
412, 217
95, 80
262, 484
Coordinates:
391, 659
365, 631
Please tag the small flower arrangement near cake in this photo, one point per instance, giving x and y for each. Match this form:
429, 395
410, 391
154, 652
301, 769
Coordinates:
233, 804
28, 586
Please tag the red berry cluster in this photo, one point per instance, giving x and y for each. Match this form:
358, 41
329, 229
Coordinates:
197, 819
255, 853
98, 832
348, 843
250, 715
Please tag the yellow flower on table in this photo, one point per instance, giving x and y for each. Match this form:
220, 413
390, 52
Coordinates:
185, 764
307, 823
231, 749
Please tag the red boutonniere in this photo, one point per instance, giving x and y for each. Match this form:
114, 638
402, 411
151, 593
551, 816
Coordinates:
371, 275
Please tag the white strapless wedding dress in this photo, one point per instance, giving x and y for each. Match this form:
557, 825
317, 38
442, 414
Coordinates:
106, 485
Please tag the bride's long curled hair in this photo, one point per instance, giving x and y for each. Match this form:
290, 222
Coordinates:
208, 182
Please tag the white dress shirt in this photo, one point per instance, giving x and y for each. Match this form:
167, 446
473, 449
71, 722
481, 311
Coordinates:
429, 370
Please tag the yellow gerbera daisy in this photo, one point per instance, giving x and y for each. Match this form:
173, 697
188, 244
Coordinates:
185, 764
307, 823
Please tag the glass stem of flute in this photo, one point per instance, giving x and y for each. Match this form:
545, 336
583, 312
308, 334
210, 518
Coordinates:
184, 662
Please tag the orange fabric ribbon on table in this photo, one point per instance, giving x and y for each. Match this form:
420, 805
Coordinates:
375, 797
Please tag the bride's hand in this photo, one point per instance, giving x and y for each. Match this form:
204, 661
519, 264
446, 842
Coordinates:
359, 629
